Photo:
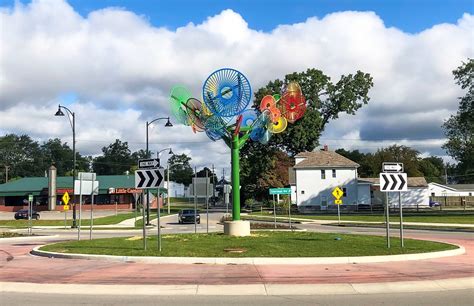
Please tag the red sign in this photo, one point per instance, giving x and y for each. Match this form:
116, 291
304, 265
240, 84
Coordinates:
126, 190
63, 190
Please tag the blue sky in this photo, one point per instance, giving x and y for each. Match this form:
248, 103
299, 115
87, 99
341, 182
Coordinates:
408, 15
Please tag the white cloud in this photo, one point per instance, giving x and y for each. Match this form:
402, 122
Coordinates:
121, 69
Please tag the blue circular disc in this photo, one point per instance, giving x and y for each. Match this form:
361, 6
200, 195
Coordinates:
227, 92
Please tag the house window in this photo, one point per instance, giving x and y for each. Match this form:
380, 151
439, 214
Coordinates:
324, 201
432, 194
302, 191
323, 174
345, 194
333, 172
470, 194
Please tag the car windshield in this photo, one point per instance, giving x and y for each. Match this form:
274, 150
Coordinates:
189, 212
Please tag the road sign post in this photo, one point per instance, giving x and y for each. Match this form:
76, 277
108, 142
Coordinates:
338, 193
278, 191
65, 199
392, 179
30, 213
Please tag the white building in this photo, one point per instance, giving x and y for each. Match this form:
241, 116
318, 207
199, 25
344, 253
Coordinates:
460, 190
316, 174
176, 190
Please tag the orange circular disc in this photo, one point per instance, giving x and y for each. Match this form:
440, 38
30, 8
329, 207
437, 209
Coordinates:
267, 103
277, 127
275, 114
293, 87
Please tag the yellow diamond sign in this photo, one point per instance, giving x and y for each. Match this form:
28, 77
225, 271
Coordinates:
337, 193
66, 198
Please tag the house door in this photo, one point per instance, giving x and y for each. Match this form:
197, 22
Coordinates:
324, 202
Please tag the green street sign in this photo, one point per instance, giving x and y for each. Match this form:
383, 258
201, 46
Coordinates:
280, 190
30, 198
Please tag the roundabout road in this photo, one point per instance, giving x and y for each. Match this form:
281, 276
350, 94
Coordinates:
17, 265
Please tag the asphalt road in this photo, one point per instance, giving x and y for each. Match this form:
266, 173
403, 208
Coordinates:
454, 297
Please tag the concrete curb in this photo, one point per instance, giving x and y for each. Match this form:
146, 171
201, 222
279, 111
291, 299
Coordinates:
253, 260
13, 239
250, 289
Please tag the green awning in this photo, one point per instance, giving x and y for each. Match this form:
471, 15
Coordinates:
18, 194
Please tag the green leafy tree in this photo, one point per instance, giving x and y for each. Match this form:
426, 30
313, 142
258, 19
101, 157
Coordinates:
115, 159
180, 169
210, 175
21, 155
406, 155
459, 128
433, 169
59, 154
325, 101
361, 158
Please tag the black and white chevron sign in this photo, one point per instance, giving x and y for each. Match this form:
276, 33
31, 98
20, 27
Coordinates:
393, 182
152, 178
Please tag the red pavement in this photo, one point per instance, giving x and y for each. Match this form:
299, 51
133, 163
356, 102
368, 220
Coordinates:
27, 268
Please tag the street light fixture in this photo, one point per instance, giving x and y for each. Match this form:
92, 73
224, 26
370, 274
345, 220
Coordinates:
60, 113
168, 124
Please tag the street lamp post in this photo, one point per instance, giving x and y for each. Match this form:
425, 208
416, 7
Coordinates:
168, 124
167, 177
73, 125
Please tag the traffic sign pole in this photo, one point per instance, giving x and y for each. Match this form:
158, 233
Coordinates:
159, 218
274, 213
401, 219
387, 220
338, 215
144, 229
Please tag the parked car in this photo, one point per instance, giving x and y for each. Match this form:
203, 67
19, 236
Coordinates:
434, 204
23, 214
187, 216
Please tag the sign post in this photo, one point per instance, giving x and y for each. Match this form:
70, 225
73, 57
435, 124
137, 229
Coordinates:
30, 213
65, 199
86, 184
392, 179
338, 193
148, 176
278, 191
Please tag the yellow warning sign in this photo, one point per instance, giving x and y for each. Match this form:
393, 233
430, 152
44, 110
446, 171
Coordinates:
65, 198
338, 202
337, 193
65, 207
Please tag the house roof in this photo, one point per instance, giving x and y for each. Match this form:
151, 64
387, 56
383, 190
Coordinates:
323, 159
462, 187
412, 181
35, 185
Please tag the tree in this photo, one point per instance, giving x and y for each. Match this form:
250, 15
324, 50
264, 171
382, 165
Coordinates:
116, 159
21, 155
59, 154
202, 173
361, 158
459, 128
433, 169
325, 101
406, 155
180, 169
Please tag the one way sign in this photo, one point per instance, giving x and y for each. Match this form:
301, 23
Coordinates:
152, 178
393, 182
148, 163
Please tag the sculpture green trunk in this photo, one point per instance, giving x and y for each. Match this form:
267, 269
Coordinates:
235, 148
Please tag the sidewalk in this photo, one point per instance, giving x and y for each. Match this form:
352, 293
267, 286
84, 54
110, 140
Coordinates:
304, 220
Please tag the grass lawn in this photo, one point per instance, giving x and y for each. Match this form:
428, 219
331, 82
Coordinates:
260, 244
434, 218
396, 226
84, 222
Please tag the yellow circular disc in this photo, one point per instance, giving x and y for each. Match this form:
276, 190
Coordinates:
293, 87
278, 126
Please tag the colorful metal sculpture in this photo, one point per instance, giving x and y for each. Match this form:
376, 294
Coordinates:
226, 94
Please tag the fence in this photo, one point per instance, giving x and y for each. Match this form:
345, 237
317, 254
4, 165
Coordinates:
452, 202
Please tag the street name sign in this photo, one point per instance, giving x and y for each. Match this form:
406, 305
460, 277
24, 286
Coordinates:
149, 163
393, 182
337, 193
392, 167
280, 190
152, 178
65, 198
30, 198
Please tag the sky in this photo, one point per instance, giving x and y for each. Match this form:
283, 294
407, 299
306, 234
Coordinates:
114, 62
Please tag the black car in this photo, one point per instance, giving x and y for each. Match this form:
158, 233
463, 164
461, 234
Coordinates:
187, 216
23, 214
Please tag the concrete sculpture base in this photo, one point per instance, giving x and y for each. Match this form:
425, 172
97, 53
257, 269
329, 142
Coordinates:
237, 228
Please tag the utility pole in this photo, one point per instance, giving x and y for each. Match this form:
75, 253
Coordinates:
6, 173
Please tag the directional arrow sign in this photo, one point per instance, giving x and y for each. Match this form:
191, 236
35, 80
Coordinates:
392, 167
152, 178
149, 163
393, 182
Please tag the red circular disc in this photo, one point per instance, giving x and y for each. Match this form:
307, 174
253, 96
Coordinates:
267, 103
293, 106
